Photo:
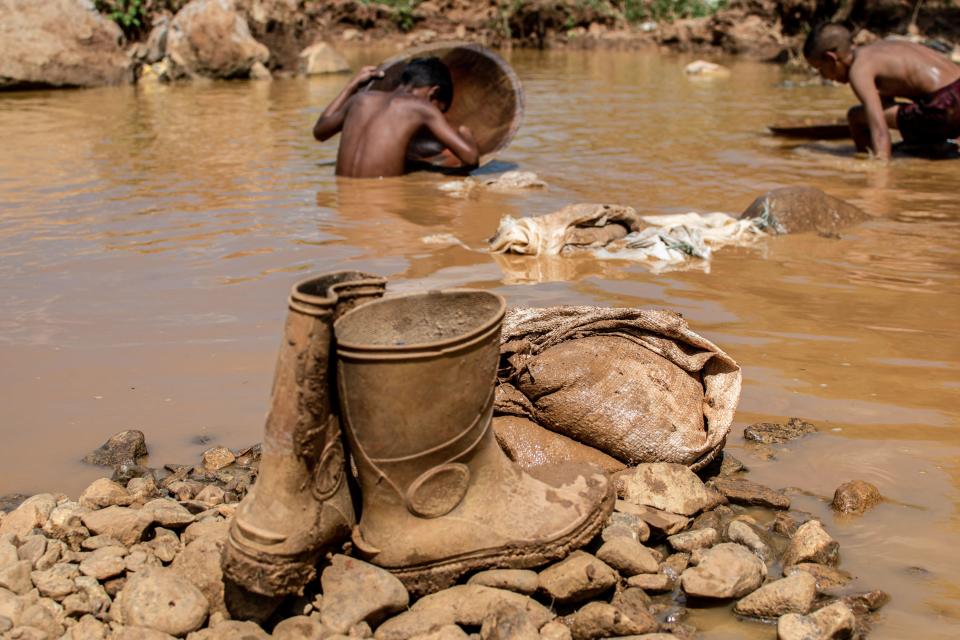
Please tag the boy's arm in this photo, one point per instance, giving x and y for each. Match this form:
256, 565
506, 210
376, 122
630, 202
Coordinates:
331, 120
863, 83
460, 142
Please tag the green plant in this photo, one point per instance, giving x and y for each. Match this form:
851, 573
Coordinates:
131, 15
666, 10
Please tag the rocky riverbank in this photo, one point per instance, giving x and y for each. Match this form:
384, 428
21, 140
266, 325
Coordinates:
67, 43
138, 556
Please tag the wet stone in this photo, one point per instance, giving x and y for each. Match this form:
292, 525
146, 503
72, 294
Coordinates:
676, 563
867, 601
773, 433
827, 577
833, 621
217, 458
578, 577
126, 446
602, 620
126, 471
554, 630
811, 543
519, 580
355, 591
856, 497
652, 582
670, 487
785, 524
742, 533
726, 571
794, 594
628, 556
695, 539
742, 491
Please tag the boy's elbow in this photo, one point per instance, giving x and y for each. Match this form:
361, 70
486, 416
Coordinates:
318, 132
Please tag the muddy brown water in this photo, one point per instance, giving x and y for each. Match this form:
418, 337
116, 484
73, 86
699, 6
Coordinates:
148, 237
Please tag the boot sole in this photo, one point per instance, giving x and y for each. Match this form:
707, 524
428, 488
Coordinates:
266, 574
432, 577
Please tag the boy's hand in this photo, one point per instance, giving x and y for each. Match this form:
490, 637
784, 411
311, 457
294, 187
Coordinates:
365, 75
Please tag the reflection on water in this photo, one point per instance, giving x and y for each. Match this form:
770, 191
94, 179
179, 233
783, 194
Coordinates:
148, 236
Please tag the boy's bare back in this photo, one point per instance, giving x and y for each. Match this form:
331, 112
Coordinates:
901, 69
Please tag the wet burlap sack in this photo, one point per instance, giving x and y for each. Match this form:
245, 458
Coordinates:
635, 385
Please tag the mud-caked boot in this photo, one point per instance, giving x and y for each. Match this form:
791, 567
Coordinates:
300, 505
416, 375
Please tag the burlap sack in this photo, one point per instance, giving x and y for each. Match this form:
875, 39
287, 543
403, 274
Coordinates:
637, 385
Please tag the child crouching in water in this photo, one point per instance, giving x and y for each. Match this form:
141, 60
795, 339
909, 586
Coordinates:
378, 126
882, 71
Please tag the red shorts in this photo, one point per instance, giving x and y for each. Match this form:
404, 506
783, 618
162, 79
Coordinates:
932, 119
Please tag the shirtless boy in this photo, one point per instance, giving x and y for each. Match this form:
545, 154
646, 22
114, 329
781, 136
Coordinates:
885, 70
378, 126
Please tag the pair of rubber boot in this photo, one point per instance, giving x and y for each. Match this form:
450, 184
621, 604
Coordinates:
414, 395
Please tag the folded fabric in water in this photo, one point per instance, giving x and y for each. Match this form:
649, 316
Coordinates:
636, 385
509, 181
574, 226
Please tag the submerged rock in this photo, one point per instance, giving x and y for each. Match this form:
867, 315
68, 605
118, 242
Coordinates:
811, 543
59, 43
800, 209
743, 491
834, 621
774, 433
126, 446
856, 497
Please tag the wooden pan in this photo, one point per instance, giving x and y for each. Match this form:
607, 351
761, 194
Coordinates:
836, 130
487, 97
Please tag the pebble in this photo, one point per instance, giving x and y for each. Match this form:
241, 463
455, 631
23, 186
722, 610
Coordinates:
56, 582
833, 621
31, 514
126, 446
696, 539
89, 598
577, 577
794, 594
856, 497
510, 623
811, 543
773, 433
161, 600
742, 491
602, 620
104, 563
519, 580
628, 556
655, 582
217, 458
16, 577
355, 591
628, 524
667, 486
664, 521
124, 524
727, 570
105, 493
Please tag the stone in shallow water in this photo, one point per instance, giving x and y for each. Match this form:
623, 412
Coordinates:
577, 577
811, 543
855, 497
773, 433
628, 556
794, 594
126, 446
827, 577
727, 570
218, 458
667, 486
355, 591
833, 621
742, 491
742, 533
520, 580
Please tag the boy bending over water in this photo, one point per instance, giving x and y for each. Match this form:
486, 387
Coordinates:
378, 126
885, 70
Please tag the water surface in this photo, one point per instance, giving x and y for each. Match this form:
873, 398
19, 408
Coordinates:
148, 237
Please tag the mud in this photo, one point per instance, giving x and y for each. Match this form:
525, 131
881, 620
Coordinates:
144, 278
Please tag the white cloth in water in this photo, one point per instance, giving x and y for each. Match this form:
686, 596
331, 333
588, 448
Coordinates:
550, 234
509, 181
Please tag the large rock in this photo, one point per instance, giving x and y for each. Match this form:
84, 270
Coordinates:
199, 563
776, 433
31, 514
855, 497
59, 43
834, 621
794, 594
105, 493
90, 599
210, 38
799, 209
355, 591
121, 523
467, 605
161, 600
321, 58
66, 524
510, 623
577, 577
811, 543
725, 571
827, 577
121, 448
602, 620
667, 486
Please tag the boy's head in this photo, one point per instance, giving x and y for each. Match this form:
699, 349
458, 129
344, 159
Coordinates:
429, 78
828, 49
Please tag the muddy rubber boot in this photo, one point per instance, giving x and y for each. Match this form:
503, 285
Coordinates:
416, 376
300, 505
